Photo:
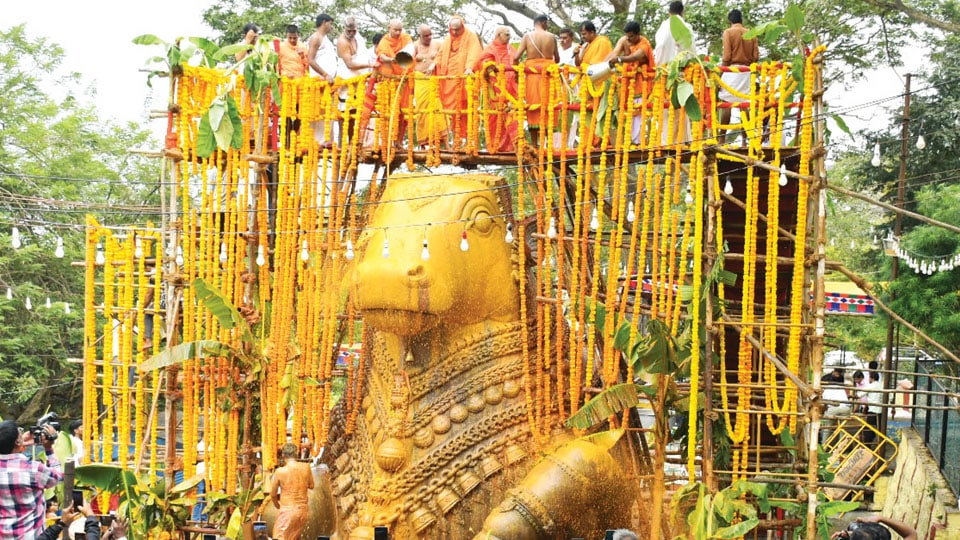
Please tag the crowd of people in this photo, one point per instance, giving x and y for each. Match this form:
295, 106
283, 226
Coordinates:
440, 112
31, 476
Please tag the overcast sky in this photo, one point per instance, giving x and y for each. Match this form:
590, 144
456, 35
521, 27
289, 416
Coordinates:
97, 34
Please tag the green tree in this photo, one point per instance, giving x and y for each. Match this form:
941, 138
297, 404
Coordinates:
56, 156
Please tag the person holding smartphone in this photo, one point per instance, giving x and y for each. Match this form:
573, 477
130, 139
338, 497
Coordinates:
22, 482
91, 524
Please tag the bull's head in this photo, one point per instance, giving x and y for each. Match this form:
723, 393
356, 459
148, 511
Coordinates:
407, 295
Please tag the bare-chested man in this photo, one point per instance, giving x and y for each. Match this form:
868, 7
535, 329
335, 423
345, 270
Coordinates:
355, 59
290, 494
431, 122
540, 49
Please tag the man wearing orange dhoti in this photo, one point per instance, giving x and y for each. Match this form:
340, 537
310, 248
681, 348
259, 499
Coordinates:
501, 126
431, 122
540, 48
456, 58
391, 44
634, 48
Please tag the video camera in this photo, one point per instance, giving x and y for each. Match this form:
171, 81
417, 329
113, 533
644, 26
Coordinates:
50, 419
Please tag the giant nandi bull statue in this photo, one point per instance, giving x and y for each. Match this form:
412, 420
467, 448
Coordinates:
442, 446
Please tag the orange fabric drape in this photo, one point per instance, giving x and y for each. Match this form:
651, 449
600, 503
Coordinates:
537, 88
456, 54
597, 50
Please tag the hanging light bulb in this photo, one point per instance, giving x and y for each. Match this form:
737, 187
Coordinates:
66, 308
921, 143
100, 258
261, 260
223, 253
595, 219
58, 253
688, 198
464, 245
15, 238
137, 248
349, 254
48, 304
552, 229
9, 293
508, 238
425, 252
853, 244
179, 258
386, 248
876, 155
783, 175
728, 187
631, 215
304, 253
28, 304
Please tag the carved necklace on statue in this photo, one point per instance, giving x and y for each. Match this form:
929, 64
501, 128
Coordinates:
393, 453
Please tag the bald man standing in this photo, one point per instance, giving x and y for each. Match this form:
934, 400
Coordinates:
431, 122
540, 49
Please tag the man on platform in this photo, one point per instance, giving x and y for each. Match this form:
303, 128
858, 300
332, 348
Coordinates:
633, 48
595, 50
251, 34
390, 45
23, 481
322, 58
292, 54
740, 53
667, 46
431, 122
540, 49
456, 58
500, 126
290, 492
354, 59
568, 49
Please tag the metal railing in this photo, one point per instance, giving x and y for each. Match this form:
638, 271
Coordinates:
940, 428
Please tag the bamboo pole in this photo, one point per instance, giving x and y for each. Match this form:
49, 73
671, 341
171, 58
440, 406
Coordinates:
781, 366
710, 257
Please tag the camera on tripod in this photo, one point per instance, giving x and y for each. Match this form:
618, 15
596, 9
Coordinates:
50, 419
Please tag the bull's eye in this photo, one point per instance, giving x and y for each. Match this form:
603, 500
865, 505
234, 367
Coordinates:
482, 222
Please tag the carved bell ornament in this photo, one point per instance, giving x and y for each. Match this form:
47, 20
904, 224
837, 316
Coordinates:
489, 466
515, 454
467, 481
447, 499
421, 518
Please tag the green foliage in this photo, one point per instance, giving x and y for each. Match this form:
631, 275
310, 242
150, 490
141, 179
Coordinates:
148, 507
58, 161
611, 401
725, 514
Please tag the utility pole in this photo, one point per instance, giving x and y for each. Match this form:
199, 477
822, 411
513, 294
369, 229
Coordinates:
897, 228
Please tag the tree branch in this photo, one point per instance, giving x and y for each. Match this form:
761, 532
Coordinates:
504, 19
916, 14
511, 5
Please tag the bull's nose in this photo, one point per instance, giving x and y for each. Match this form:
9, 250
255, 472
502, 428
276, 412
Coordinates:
416, 272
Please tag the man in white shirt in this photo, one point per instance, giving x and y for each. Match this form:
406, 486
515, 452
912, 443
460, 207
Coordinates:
667, 47
568, 49
322, 57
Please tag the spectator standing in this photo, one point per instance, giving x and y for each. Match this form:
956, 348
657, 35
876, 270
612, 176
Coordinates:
737, 52
568, 49
22, 483
251, 35
667, 47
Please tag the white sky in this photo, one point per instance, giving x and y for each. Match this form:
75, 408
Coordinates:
97, 34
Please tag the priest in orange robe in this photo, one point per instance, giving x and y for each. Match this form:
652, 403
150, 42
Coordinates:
501, 126
456, 58
388, 48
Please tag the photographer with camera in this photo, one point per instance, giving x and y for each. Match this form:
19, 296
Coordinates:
871, 528
23, 481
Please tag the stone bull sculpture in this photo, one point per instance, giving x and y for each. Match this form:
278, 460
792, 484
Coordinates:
442, 447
